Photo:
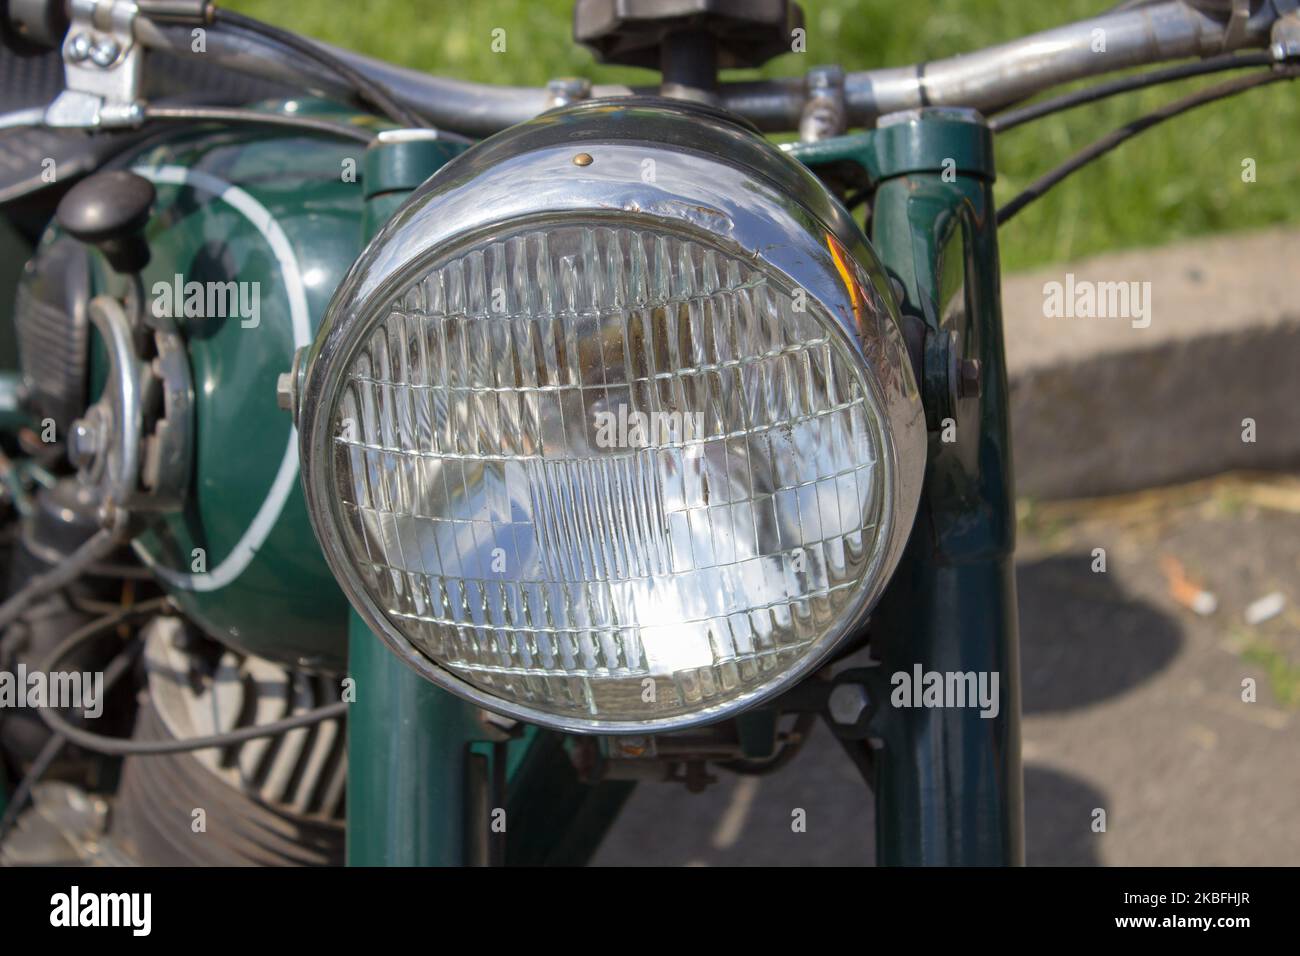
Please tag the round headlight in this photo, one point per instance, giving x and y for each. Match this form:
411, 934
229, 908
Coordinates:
612, 428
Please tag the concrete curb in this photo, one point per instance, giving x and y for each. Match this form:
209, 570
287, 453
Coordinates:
1100, 406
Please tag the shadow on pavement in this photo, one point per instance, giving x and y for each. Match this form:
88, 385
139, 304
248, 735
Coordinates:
1058, 819
1082, 638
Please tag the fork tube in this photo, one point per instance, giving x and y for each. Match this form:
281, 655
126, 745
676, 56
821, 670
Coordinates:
418, 793
948, 784
408, 761
411, 799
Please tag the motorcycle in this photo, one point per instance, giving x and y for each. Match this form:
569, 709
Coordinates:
399, 470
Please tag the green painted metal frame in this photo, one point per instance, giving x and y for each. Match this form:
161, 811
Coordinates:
948, 781
408, 758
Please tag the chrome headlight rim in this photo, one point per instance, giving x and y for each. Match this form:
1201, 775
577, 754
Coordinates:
728, 207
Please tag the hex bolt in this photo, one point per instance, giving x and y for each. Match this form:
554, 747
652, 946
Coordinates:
284, 391
78, 47
847, 703
968, 378
105, 52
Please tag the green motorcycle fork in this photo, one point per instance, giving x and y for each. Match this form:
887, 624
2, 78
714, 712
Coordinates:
430, 782
947, 780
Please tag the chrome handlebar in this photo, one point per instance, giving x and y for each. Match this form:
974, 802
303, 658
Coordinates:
986, 80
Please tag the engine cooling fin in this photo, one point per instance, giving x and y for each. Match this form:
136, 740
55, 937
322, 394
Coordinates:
53, 331
275, 801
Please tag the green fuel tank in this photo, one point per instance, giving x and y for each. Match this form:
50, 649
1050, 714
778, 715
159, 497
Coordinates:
279, 215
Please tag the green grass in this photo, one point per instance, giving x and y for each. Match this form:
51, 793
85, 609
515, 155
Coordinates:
1181, 179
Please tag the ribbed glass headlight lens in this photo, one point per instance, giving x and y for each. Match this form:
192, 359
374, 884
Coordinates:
638, 481
610, 469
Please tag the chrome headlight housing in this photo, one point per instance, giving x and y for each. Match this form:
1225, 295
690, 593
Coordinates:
612, 427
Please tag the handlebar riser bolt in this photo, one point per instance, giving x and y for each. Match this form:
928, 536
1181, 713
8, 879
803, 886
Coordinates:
78, 47
105, 52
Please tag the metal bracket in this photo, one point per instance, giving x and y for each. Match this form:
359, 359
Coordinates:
496, 728
824, 114
1284, 40
102, 67
847, 703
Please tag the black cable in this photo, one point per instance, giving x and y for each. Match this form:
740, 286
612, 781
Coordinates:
89, 606
367, 89
1126, 5
223, 114
102, 624
97, 547
49, 753
118, 747
1010, 119
54, 746
1127, 132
